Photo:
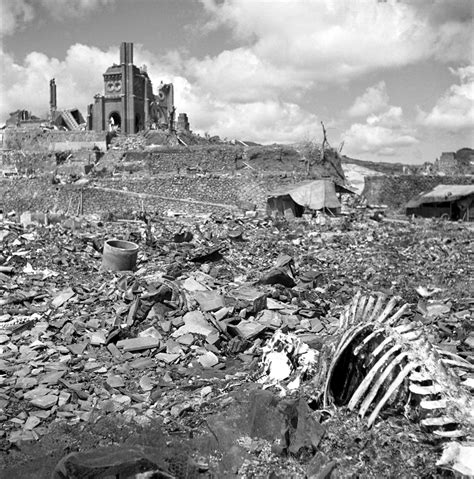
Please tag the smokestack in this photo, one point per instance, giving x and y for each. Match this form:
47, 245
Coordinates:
52, 97
126, 53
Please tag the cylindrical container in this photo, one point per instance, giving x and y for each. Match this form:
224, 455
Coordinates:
119, 255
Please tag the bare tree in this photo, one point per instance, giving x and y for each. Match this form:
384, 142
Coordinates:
325, 141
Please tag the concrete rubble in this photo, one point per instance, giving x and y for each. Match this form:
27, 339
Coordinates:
212, 342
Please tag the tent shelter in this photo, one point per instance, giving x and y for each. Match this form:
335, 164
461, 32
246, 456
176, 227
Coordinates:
291, 201
455, 202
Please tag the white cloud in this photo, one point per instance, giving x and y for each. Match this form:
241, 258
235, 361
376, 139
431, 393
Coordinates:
262, 121
373, 100
79, 77
385, 130
15, 14
60, 9
455, 109
370, 138
327, 41
241, 76
255, 91
26, 85
391, 117
253, 113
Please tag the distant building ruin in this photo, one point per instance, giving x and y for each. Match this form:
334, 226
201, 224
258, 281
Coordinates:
128, 104
459, 163
23, 119
447, 162
183, 123
70, 119
53, 100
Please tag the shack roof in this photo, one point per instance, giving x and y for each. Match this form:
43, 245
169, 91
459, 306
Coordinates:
442, 194
314, 194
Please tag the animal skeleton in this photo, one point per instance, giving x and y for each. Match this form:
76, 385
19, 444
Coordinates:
395, 357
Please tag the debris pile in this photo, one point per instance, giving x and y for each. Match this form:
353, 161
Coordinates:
217, 308
136, 142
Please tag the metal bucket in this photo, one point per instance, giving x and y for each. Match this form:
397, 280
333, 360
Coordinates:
119, 255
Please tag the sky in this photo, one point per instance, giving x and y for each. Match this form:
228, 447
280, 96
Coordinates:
392, 80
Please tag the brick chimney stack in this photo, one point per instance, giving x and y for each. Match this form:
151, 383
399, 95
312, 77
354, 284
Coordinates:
52, 98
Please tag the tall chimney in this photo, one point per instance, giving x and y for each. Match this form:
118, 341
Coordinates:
126, 53
52, 98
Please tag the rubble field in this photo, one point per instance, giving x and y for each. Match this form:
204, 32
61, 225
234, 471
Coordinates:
119, 373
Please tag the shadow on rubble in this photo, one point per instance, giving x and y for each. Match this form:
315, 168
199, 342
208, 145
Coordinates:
218, 447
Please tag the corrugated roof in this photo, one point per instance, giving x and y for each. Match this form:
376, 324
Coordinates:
441, 194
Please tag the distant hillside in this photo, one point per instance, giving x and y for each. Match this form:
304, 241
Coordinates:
385, 168
356, 174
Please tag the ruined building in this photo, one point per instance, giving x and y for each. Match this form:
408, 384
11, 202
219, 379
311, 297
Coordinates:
70, 119
459, 163
128, 104
23, 119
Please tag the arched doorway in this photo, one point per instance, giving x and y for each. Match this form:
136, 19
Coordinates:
115, 121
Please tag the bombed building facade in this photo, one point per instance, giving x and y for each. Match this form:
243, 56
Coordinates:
128, 104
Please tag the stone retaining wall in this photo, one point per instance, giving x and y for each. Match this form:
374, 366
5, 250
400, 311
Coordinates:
396, 191
215, 158
184, 193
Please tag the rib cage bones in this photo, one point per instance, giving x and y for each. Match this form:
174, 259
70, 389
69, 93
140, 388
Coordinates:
403, 357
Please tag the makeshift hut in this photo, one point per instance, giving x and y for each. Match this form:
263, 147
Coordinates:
454, 202
292, 200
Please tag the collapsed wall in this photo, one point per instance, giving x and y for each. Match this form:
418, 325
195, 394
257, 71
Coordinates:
396, 191
35, 139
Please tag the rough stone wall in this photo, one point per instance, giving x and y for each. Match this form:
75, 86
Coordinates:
180, 179
396, 191
36, 194
204, 159
27, 163
228, 158
183, 193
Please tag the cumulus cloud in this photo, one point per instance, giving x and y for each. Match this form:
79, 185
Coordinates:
261, 121
241, 76
326, 41
384, 131
373, 100
26, 85
440, 12
16, 13
378, 139
391, 117
13, 13
79, 78
455, 109
60, 9
254, 91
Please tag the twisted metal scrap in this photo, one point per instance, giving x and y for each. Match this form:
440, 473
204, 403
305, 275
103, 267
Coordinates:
12, 324
403, 355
